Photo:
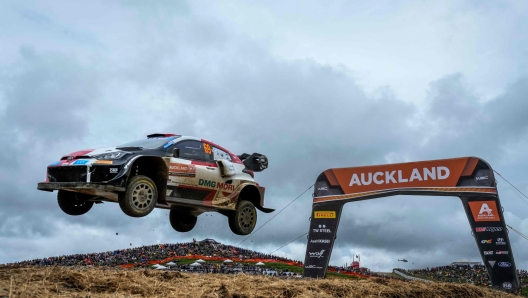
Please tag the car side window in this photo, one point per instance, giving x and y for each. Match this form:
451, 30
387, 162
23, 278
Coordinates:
195, 150
220, 154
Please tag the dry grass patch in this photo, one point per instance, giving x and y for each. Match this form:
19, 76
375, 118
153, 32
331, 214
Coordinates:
106, 282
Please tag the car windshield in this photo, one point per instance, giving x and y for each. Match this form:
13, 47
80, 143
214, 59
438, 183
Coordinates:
152, 143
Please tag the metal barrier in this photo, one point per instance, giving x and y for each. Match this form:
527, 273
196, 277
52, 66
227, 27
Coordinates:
408, 276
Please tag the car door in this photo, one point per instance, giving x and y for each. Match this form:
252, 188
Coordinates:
227, 172
193, 176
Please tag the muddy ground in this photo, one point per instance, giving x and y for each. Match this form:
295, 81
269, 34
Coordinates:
107, 282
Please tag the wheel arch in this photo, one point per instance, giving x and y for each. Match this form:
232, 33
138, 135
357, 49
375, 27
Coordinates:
156, 169
251, 193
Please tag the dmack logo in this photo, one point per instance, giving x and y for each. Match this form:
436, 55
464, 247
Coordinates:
434, 173
317, 254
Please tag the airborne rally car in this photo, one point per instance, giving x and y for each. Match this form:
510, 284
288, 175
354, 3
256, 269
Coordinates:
187, 175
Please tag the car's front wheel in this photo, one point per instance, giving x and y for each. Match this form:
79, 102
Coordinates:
74, 203
140, 196
244, 219
181, 221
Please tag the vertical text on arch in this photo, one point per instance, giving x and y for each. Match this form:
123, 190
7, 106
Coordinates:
388, 177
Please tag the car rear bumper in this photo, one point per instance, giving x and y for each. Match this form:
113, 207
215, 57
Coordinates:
51, 186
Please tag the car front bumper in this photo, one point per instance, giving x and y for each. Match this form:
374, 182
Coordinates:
79, 186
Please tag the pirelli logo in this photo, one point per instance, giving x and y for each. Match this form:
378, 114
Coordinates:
324, 214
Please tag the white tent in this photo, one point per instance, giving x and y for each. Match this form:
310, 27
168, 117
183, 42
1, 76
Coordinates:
156, 265
161, 268
195, 264
259, 264
228, 261
200, 261
170, 264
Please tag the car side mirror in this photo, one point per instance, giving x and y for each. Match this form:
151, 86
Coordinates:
176, 152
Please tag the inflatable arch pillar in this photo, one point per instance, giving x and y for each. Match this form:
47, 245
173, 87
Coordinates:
469, 178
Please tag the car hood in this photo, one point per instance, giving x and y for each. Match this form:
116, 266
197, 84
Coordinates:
91, 152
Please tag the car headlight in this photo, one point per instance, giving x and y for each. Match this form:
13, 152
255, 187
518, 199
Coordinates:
112, 155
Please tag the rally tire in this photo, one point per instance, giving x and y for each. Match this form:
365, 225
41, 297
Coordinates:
232, 225
244, 219
73, 203
181, 221
140, 196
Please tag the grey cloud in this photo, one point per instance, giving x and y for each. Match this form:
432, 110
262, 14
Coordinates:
152, 11
40, 19
47, 95
459, 123
506, 114
452, 102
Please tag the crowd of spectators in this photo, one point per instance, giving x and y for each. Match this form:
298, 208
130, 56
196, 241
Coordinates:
523, 274
476, 274
141, 255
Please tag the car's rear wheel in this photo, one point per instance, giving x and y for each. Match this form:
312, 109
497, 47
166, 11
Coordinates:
232, 226
181, 221
74, 203
140, 196
244, 219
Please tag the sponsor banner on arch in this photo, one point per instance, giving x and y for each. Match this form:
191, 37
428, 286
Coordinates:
486, 220
484, 211
437, 173
323, 228
454, 176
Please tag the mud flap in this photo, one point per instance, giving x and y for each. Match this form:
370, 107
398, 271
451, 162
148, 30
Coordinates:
265, 210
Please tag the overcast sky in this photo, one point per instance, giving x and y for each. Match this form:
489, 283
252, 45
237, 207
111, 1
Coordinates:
311, 84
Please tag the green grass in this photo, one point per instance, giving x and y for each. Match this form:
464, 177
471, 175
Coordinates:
524, 291
330, 274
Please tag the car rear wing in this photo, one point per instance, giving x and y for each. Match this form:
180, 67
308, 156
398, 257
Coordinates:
255, 162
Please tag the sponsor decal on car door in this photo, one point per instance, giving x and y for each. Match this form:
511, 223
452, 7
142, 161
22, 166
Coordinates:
181, 178
208, 174
210, 178
183, 182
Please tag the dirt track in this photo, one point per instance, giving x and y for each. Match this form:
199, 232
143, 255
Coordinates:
94, 282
